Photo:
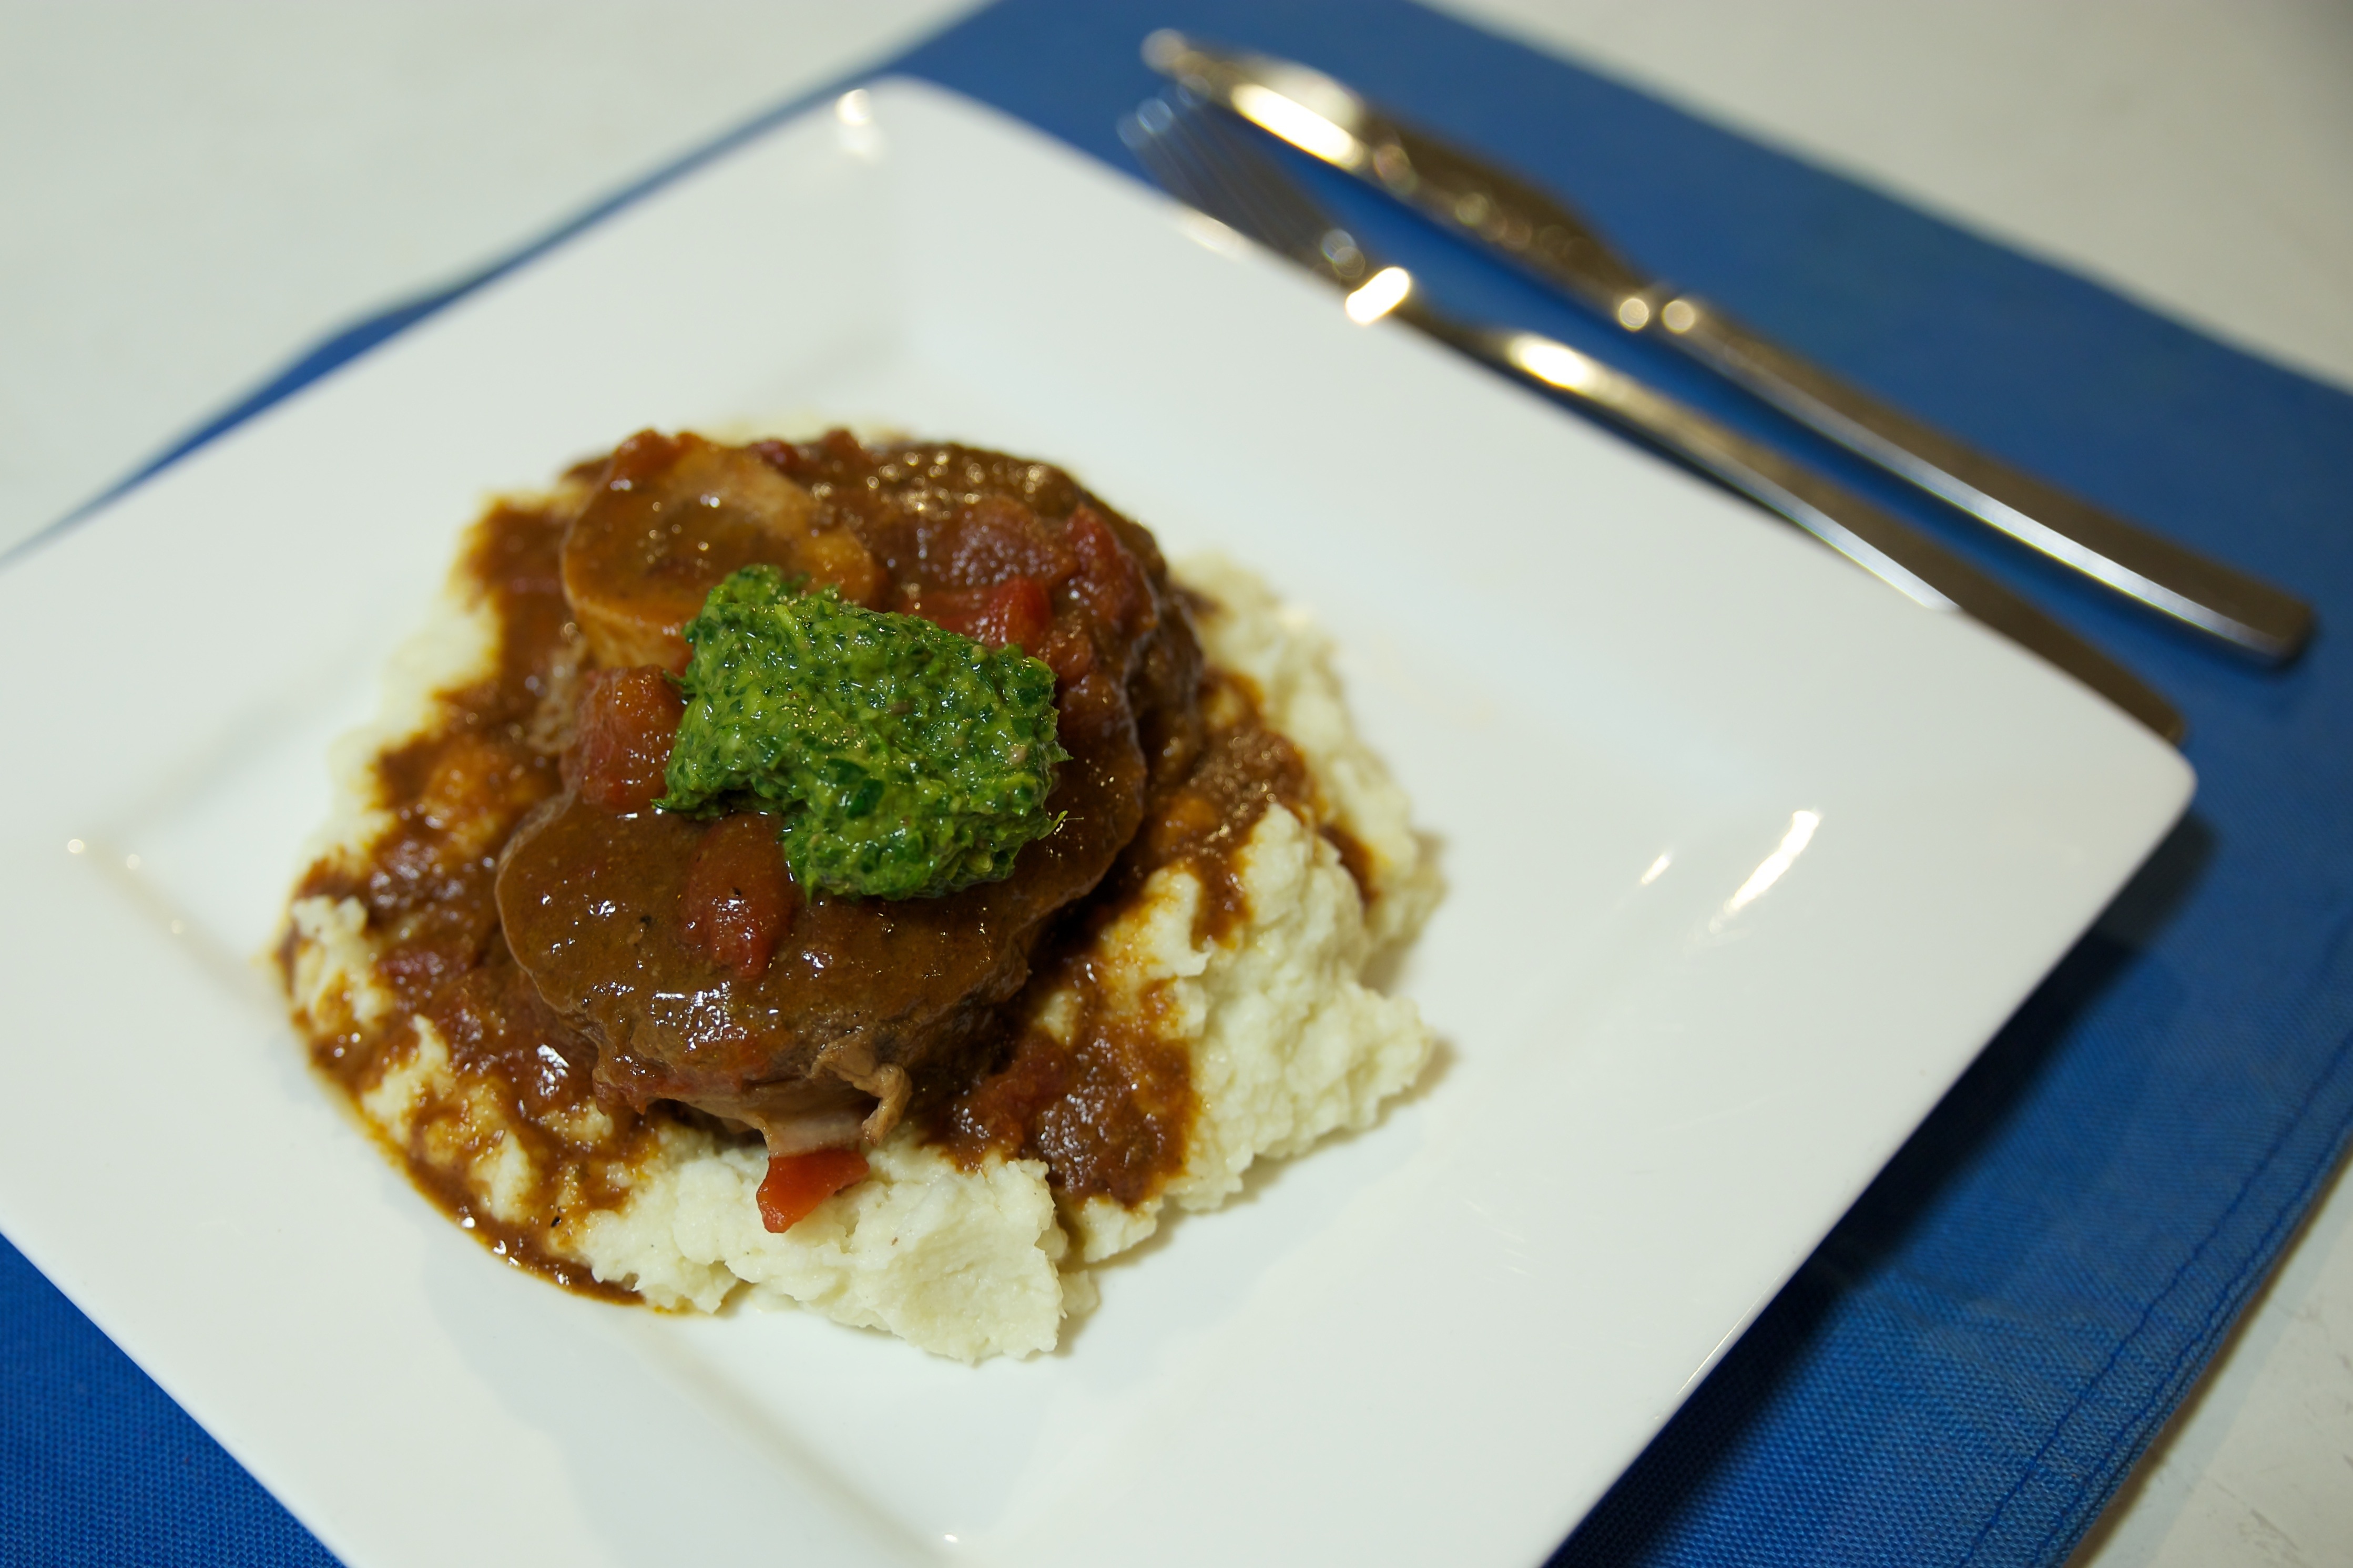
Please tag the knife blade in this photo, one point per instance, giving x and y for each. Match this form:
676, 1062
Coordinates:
1539, 234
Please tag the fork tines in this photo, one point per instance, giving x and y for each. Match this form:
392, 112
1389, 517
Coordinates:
1190, 154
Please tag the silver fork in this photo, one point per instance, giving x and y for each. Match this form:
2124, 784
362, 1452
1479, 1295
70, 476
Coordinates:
1190, 153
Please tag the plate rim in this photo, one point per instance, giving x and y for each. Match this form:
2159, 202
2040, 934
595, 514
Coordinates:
887, 91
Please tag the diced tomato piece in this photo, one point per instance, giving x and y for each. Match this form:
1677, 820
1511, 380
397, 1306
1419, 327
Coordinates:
627, 724
739, 898
1014, 613
1109, 579
1018, 616
796, 1183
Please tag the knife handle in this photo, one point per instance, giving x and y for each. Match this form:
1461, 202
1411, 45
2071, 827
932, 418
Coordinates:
2252, 615
1894, 551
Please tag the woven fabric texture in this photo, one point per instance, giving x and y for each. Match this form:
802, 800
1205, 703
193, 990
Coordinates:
98, 1467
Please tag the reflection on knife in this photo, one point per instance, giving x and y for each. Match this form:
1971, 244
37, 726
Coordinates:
1199, 163
1328, 121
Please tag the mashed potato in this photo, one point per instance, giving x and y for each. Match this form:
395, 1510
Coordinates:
1285, 1043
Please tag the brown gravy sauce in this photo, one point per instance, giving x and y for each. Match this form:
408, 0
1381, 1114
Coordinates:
454, 793
1110, 1111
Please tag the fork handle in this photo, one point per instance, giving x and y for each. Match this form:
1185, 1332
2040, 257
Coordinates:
1898, 555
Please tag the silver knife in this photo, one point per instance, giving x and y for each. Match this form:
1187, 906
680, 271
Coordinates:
1200, 164
1464, 193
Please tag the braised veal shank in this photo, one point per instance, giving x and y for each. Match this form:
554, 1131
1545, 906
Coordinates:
662, 940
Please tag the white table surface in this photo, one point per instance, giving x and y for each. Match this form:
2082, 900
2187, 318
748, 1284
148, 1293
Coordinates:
192, 194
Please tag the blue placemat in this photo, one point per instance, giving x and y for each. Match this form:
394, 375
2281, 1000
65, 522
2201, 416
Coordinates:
98, 1467
1967, 1366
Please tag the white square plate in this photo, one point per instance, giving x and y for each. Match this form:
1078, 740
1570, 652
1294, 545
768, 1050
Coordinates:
1748, 857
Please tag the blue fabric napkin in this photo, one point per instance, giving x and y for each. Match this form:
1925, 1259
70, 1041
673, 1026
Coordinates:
1967, 1368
